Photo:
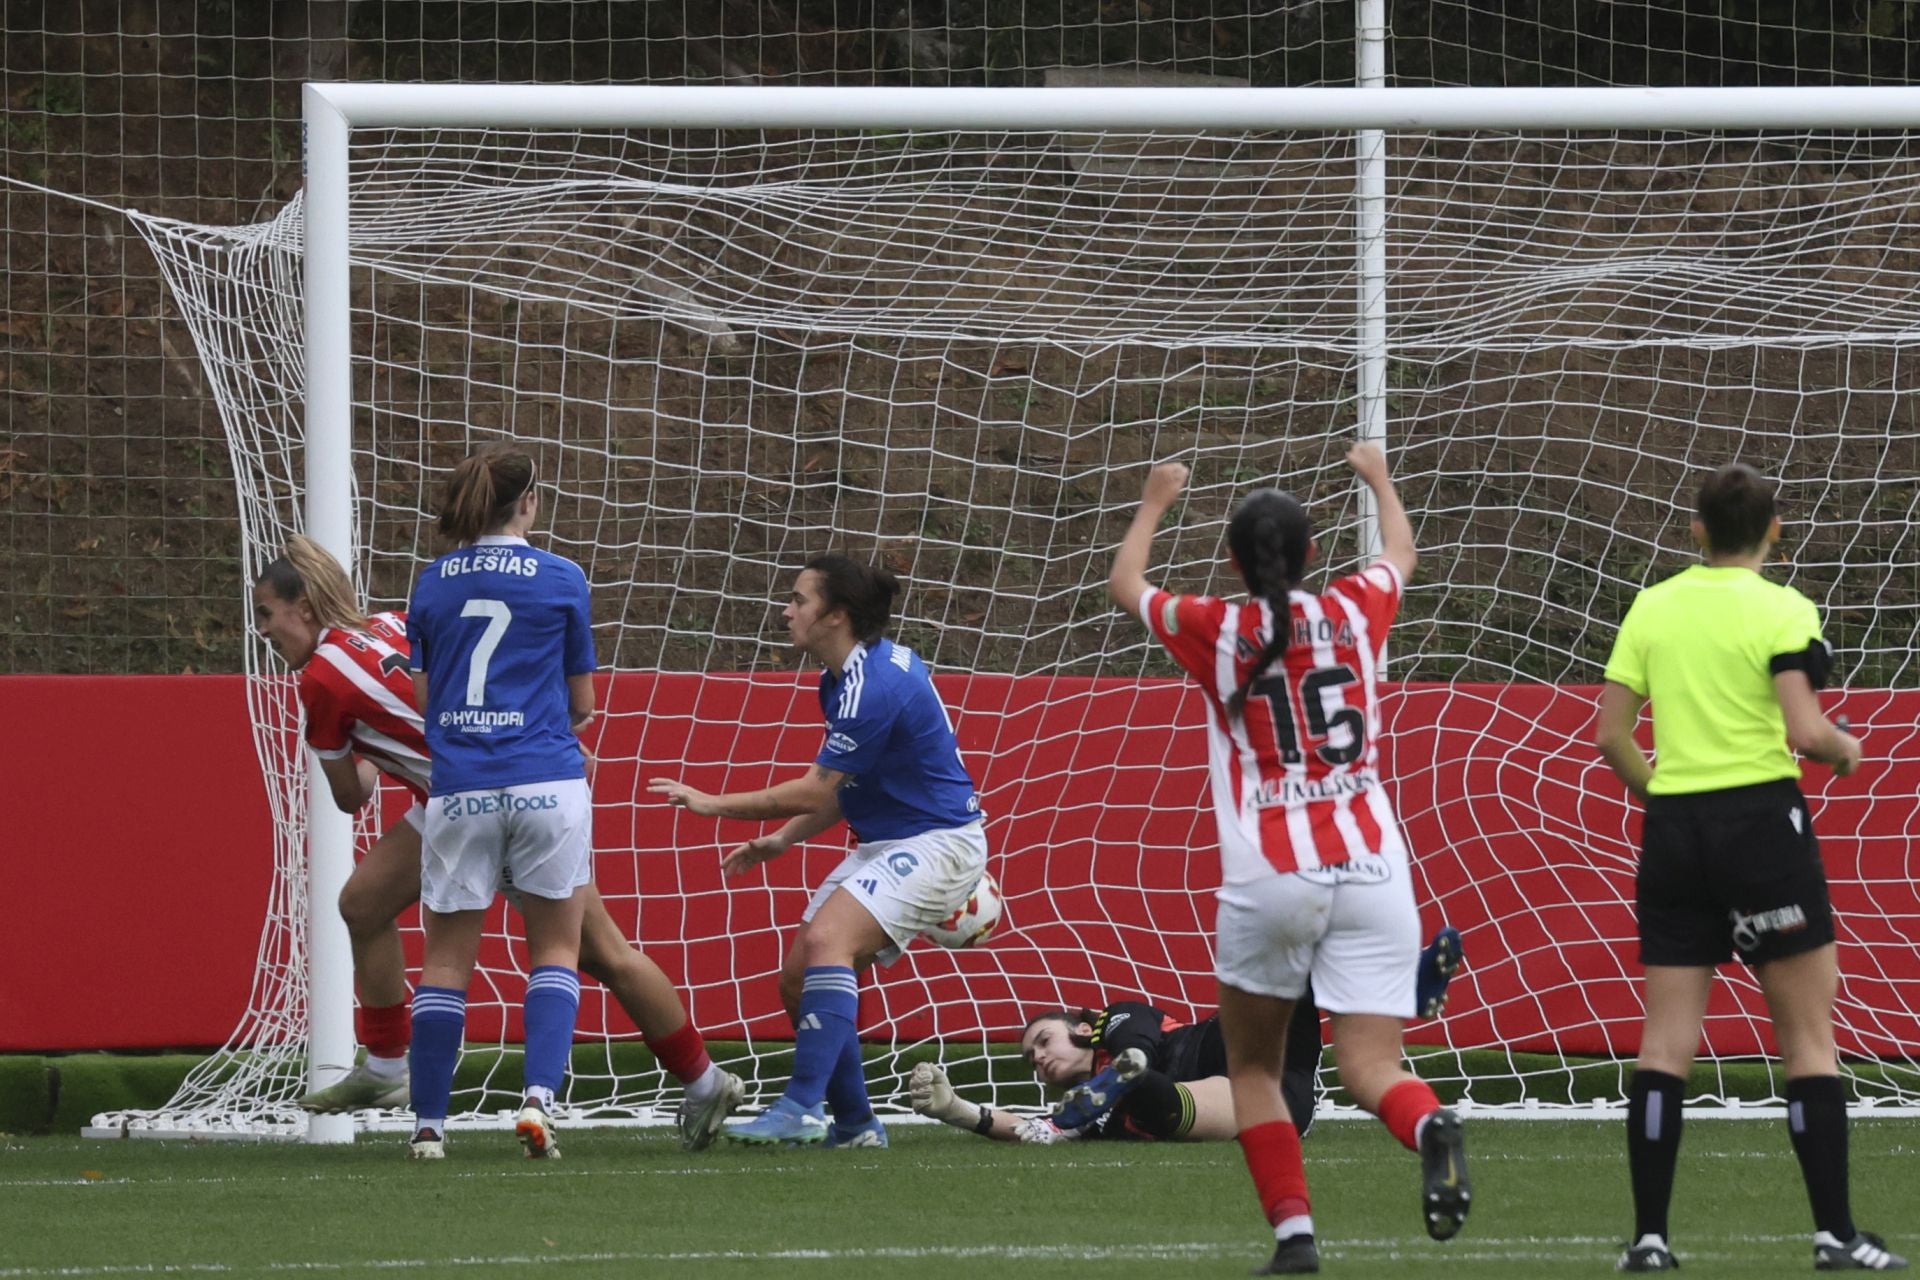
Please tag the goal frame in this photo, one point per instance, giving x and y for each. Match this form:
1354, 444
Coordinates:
332, 110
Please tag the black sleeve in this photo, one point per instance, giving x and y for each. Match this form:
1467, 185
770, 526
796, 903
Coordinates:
1816, 660
1130, 1025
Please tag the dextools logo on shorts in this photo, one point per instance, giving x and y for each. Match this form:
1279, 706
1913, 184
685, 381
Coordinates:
471, 805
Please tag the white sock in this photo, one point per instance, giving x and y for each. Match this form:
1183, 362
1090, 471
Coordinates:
386, 1068
1300, 1224
705, 1087
541, 1094
1652, 1241
423, 1123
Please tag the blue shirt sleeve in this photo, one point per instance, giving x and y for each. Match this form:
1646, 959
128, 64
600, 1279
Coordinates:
579, 643
857, 742
416, 639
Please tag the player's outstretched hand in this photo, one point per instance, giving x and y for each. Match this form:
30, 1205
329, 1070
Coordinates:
1368, 462
1163, 484
929, 1092
751, 854
681, 796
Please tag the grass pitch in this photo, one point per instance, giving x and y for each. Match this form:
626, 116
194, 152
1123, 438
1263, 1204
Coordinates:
1549, 1198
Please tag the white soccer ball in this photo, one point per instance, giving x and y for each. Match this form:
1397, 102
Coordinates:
976, 919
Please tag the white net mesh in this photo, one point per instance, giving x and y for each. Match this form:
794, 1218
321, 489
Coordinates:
955, 353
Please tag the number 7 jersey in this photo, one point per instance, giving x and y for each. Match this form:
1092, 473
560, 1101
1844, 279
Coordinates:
1296, 783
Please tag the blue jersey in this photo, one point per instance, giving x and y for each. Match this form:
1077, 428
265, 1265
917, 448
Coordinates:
498, 627
887, 730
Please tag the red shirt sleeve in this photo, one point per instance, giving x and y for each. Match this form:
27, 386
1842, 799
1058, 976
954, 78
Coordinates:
327, 720
1376, 592
1189, 628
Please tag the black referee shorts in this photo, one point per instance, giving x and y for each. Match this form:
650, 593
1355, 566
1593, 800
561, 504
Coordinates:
1731, 872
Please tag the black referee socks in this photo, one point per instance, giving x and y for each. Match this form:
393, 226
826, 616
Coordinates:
1817, 1123
1653, 1147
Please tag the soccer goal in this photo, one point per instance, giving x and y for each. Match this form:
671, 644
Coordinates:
948, 329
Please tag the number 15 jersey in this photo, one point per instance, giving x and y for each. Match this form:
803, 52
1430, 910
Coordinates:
1296, 783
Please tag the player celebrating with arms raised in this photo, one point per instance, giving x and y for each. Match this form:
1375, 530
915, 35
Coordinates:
356, 694
891, 767
1316, 880
503, 672
1728, 861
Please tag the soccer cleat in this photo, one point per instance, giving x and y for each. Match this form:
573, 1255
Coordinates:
699, 1122
1087, 1102
1650, 1254
870, 1134
535, 1130
1865, 1252
1445, 1191
359, 1090
1294, 1256
1438, 963
427, 1144
785, 1123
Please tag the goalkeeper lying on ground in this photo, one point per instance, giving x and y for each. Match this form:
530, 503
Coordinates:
1132, 1071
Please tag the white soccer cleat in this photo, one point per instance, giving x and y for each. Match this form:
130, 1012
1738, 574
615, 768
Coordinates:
535, 1131
359, 1090
700, 1122
428, 1144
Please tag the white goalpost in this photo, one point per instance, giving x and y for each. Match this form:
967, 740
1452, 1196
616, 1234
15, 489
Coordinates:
946, 328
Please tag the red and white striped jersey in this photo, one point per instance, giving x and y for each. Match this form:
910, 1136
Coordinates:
358, 695
1295, 779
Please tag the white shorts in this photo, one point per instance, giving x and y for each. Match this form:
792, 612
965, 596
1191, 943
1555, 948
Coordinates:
1353, 929
538, 835
909, 885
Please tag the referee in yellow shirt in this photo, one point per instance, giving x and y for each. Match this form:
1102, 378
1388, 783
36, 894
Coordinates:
1729, 863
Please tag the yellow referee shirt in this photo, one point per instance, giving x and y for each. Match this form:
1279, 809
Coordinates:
1700, 646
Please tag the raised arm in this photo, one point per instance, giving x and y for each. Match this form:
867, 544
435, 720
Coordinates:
1396, 531
1128, 580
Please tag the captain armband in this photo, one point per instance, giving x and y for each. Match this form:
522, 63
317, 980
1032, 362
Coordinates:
1816, 660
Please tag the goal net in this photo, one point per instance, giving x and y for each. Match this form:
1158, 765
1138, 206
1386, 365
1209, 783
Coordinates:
956, 353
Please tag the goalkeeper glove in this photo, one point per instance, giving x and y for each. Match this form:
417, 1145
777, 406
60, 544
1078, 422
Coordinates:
931, 1095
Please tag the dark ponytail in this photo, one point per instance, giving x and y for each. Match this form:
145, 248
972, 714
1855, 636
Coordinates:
865, 591
483, 491
1269, 535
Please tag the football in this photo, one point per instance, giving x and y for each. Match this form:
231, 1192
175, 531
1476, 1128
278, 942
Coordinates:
975, 921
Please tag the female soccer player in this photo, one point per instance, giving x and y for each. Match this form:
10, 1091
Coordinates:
502, 658
357, 696
1316, 879
1174, 1084
891, 768
1728, 858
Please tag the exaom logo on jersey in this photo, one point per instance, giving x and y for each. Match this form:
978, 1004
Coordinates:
841, 743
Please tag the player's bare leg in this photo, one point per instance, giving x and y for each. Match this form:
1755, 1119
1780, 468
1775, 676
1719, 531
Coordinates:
1367, 1052
1254, 1029
385, 883
649, 997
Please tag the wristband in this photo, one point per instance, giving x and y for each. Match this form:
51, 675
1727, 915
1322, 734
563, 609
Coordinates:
984, 1124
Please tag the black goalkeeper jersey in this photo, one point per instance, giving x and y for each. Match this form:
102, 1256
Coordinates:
1177, 1050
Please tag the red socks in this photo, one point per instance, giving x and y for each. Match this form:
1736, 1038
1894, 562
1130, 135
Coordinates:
683, 1053
1279, 1178
1404, 1107
387, 1032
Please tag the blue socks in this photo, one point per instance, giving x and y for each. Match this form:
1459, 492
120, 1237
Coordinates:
553, 1002
822, 1034
439, 1025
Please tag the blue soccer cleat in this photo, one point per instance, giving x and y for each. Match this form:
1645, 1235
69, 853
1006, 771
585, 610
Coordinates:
785, 1123
870, 1134
1102, 1092
1438, 963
